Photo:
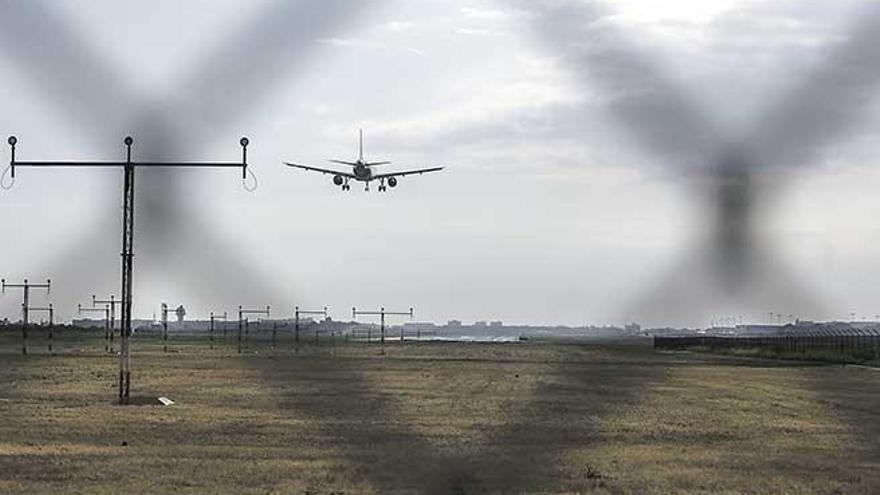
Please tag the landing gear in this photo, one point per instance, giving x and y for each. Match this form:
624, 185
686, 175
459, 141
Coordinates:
345, 186
382, 187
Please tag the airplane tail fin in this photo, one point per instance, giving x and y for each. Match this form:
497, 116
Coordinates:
361, 152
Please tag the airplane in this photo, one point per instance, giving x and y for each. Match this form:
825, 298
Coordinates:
362, 171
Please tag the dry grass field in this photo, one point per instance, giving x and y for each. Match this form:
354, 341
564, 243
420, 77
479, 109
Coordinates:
435, 418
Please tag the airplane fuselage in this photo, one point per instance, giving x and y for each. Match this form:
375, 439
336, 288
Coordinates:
362, 172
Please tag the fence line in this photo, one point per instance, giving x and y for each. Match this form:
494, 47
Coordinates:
851, 346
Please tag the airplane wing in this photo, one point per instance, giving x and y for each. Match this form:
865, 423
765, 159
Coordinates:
407, 172
322, 170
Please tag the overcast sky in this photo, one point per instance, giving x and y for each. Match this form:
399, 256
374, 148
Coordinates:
576, 137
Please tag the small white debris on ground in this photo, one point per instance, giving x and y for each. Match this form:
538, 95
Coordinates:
166, 401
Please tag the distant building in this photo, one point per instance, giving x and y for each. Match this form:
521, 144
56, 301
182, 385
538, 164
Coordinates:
329, 325
481, 324
633, 328
181, 313
419, 326
453, 323
144, 325
89, 323
496, 324
754, 330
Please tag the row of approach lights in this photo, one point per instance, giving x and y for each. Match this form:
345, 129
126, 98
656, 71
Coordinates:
109, 311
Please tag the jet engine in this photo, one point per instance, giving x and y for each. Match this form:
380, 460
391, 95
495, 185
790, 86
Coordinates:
337, 180
392, 181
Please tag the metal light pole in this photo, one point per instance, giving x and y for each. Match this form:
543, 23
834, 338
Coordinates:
296, 314
112, 302
106, 312
213, 319
164, 327
241, 313
381, 313
48, 309
25, 304
128, 167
